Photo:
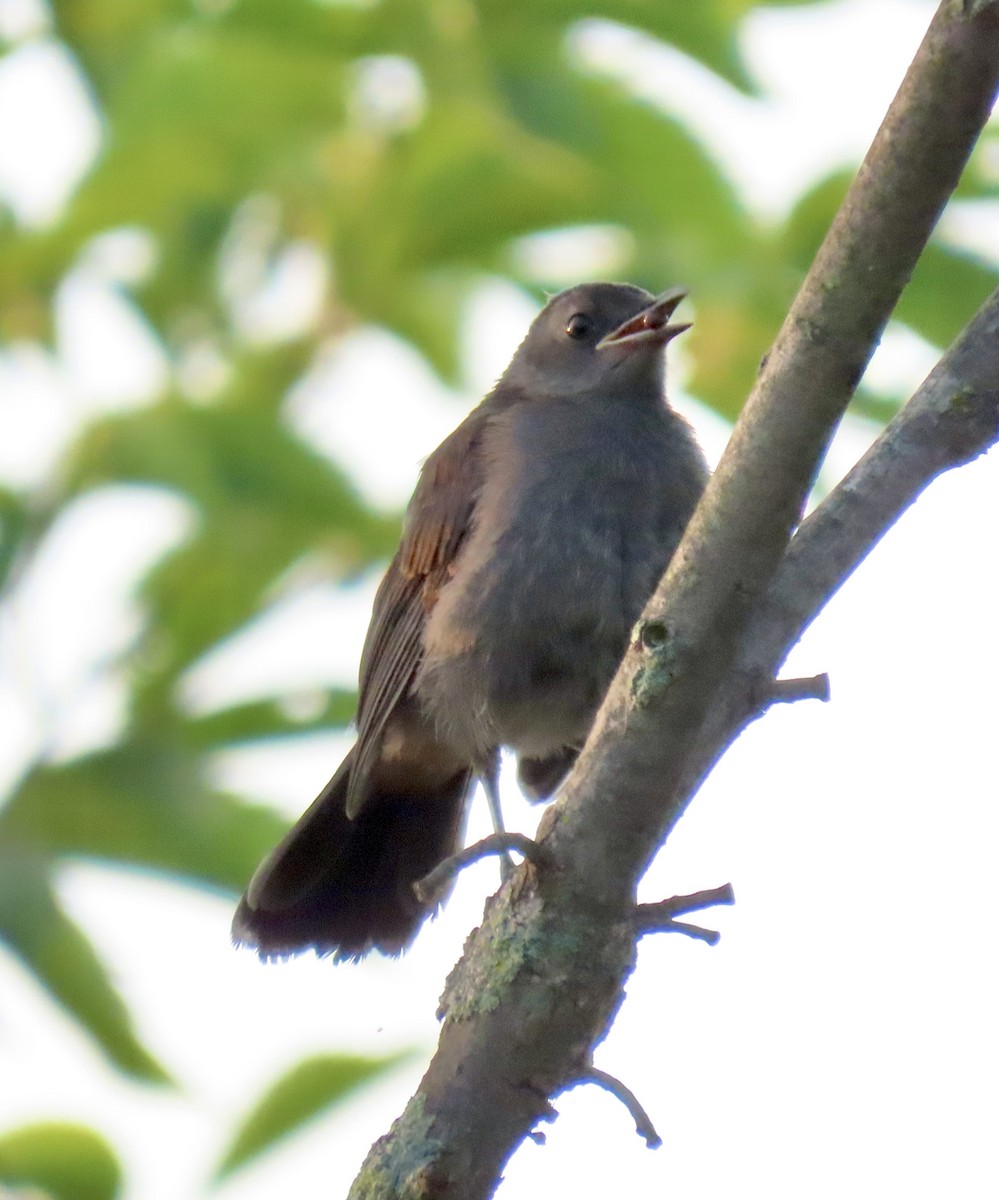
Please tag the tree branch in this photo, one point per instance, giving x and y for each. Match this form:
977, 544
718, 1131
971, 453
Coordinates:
951, 419
661, 916
790, 691
643, 1123
542, 979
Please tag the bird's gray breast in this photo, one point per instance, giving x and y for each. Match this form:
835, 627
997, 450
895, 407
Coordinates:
581, 507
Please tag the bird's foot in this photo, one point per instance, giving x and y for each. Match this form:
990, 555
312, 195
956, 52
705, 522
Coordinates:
496, 843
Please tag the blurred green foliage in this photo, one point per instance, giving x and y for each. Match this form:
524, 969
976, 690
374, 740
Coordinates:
66, 1162
308, 1090
231, 131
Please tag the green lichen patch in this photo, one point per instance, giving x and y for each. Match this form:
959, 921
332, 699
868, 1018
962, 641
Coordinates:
495, 954
401, 1164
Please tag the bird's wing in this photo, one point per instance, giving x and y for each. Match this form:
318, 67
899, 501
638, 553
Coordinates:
437, 520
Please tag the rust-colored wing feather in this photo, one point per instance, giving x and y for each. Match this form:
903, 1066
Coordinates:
437, 520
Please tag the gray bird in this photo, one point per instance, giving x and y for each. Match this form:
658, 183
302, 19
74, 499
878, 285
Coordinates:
536, 534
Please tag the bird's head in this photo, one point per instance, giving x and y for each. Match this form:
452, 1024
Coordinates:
606, 338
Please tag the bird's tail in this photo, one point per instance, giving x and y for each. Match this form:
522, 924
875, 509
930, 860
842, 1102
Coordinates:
344, 886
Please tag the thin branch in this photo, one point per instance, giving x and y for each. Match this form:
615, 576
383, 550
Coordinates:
789, 691
661, 916
678, 906
649, 917
643, 1122
697, 932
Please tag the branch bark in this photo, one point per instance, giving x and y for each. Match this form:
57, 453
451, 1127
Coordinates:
542, 978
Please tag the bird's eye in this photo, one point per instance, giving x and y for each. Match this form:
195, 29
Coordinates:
578, 326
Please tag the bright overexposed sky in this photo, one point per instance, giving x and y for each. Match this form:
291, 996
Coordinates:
840, 1040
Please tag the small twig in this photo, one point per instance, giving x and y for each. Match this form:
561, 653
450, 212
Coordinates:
496, 843
648, 915
643, 1123
698, 932
660, 917
787, 691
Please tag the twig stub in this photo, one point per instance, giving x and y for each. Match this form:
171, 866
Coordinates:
789, 691
661, 917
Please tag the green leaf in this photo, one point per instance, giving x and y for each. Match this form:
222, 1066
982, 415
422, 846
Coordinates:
217, 581
265, 719
31, 265
13, 525
946, 288
979, 180
306, 1091
707, 31
204, 114
58, 953
809, 220
67, 1162
406, 254
143, 803
676, 199
264, 499
875, 407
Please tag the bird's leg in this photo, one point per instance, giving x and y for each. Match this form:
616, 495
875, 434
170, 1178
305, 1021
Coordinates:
489, 774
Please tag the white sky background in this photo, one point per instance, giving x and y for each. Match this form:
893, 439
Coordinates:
840, 1040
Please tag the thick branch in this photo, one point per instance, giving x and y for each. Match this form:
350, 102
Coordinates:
543, 978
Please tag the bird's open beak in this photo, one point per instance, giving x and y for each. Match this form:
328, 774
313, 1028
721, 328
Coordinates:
649, 327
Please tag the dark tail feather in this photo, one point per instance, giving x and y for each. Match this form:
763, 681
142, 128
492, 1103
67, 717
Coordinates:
344, 887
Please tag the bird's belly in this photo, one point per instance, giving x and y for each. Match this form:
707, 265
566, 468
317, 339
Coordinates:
520, 656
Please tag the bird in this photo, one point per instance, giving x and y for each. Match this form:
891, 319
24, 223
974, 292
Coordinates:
536, 534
